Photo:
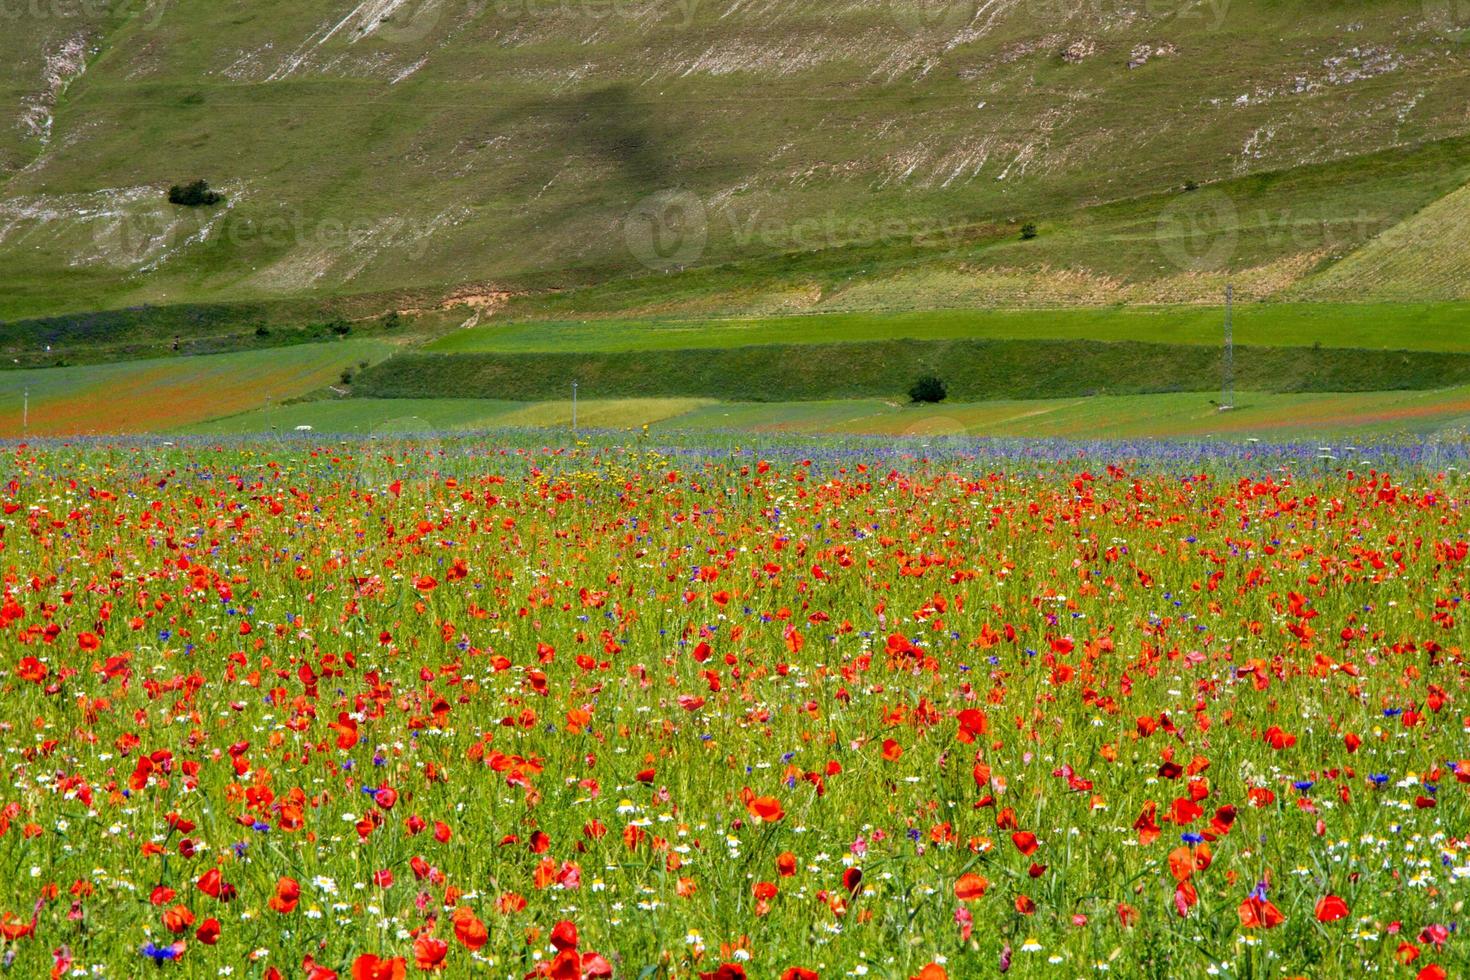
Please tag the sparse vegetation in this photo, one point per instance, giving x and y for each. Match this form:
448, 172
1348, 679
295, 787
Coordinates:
1028, 231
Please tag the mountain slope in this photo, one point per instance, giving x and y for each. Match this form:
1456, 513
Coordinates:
432, 143
1421, 258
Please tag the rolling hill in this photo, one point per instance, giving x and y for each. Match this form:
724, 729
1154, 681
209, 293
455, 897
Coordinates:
694, 205
884, 150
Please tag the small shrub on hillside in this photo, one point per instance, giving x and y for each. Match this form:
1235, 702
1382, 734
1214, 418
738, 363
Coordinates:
346, 376
340, 327
929, 388
392, 320
1028, 231
194, 194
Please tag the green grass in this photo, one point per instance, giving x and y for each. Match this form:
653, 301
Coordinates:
1389, 326
420, 416
973, 369
1183, 415
1422, 257
1257, 414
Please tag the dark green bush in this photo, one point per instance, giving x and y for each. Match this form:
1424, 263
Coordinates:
929, 388
194, 194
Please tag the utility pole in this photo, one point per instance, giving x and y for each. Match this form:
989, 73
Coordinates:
1227, 381
25, 411
574, 406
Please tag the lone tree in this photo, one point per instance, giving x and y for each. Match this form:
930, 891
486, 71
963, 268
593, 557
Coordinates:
194, 194
1028, 231
929, 388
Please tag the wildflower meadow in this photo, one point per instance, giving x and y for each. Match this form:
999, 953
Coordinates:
308, 708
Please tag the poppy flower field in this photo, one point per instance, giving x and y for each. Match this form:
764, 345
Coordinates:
316, 709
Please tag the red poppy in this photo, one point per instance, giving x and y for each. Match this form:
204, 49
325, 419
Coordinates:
429, 953
370, 967
1330, 908
208, 932
564, 935
766, 808
1259, 913
287, 896
970, 887
726, 971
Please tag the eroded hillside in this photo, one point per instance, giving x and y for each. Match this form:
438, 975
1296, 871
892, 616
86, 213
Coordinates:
433, 143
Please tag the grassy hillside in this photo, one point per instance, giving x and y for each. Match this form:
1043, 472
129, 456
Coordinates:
973, 369
1422, 257
883, 152
1389, 326
1442, 413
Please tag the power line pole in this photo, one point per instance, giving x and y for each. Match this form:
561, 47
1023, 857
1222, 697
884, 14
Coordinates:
574, 406
25, 411
1227, 381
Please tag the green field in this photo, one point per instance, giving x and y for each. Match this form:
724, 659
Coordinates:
1257, 414
420, 416
974, 370
1389, 326
160, 394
